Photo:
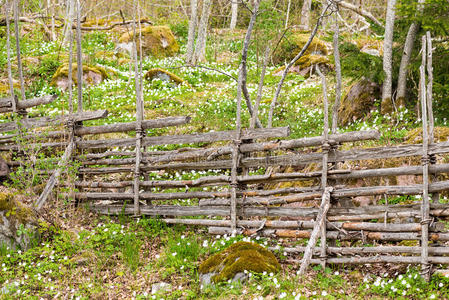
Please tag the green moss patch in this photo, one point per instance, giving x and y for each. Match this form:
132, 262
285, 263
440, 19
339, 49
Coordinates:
293, 44
164, 75
157, 41
414, 136
236, 259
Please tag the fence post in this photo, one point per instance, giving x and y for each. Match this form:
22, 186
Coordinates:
425, 209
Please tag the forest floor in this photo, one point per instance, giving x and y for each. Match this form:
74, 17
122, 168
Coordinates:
82, 255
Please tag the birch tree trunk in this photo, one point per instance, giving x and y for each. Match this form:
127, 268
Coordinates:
305, 14
405, 60
387, 103
234, 14
200, 47
288, 14
192, 26
70, 14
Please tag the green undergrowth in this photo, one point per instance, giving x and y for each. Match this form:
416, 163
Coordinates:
112, 257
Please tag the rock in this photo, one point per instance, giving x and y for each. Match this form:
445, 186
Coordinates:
232, 263
292, 45
157, 41
84, 258
160, 287
18, 222
4, 169
414, 136
92, 75
163, 75
304, 65
358, 101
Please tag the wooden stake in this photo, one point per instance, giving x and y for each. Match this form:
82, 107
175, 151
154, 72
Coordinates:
139, 114
425, 218
319, 223
326, 148
19, 59
8, 53
79, 57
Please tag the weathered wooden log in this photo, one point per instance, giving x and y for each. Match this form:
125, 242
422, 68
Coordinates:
319, 223
208, 137
48, 121
334, 214
6, 105
53, 180
183, 195
246, 148
131, 126
299, 160
368, 250
120, 127
337, 193
338, 235
353, 226
379, 259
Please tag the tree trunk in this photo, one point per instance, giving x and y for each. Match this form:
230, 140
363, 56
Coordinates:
192, 26
288, 13
234, 14
405, 60
387, 103
305, 14
70, 14
200, 47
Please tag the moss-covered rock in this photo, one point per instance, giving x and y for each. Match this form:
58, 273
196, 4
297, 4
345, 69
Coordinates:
91, 75
292, 45
157, 41
163, 75
233, 261
18, 222
305, 63
358, 101
441, 134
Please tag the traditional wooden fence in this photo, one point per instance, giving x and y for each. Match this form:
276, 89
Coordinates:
242, 194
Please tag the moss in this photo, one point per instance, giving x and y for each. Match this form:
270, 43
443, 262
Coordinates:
63, 71
305, 62
387, 106
15, 209
151, 74
237, 258
157, 41
4, 88
293, 44
414, 136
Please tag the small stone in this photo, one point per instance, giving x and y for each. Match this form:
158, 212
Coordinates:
160, 287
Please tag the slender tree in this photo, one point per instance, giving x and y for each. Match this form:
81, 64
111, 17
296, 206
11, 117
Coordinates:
387, 103
234, 14
18, 54
305, 14
192, 26
8, 54
200, 47
79, 57
71, 13
405, 60
337, 73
